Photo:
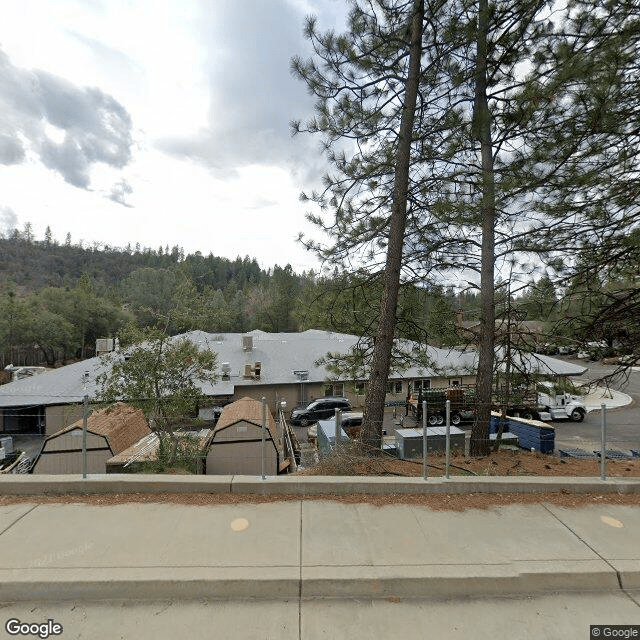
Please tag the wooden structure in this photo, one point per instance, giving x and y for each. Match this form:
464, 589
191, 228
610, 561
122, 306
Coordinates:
146, 450
236, 447
109, 432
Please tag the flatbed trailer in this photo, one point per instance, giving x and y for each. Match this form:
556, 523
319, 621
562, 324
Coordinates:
461, 401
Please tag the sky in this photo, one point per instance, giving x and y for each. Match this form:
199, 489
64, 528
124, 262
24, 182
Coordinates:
160, 122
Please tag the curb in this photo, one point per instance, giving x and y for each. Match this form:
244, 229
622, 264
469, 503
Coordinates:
290, 583
41, 485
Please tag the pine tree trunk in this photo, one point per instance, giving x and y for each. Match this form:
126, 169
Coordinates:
376, 391
480, 432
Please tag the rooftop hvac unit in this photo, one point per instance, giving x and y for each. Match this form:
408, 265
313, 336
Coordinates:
248, 372
247, 343
104, 345
226, 370
257, 368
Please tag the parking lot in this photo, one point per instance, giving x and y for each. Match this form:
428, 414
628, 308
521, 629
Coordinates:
623, 423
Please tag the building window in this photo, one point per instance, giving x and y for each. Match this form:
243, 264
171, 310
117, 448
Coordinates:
419, 385
360, 388
334, 389
454, 383
394, 387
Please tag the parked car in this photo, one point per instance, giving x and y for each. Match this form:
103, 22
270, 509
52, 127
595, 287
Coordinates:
319, 409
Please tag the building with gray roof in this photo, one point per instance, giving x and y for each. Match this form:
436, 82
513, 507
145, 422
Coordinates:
282, 367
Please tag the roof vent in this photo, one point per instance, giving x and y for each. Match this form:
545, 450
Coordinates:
257, 368
247, 343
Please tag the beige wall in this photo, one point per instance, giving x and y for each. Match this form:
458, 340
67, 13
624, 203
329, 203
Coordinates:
67, 456
357, 399
276, 393
61, 416
291, 392
234, 450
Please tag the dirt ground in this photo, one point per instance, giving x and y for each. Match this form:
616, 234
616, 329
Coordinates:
436, 502
502, 463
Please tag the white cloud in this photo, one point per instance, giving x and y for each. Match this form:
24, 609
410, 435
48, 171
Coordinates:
89, 125
8, 220
179, 111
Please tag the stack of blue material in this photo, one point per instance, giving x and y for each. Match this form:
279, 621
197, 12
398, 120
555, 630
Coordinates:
530, 436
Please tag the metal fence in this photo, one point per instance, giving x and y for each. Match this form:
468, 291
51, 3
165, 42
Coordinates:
412, 445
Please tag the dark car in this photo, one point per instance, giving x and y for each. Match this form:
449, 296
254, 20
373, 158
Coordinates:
319, 409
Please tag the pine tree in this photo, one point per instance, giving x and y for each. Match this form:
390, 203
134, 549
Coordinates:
369, 83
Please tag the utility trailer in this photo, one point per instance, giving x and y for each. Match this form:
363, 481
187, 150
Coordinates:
543, 403
462, 400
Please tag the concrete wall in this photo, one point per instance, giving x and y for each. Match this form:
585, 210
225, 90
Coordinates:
61, 416
237, 450
63, 454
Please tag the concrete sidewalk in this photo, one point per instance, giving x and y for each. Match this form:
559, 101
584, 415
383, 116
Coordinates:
611, 398
296, 550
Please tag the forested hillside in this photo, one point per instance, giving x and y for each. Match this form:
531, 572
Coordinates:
57, 299
30, 264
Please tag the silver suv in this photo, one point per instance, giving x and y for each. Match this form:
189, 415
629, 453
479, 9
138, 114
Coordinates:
319, 409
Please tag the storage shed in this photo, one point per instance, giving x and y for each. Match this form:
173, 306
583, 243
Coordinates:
109, 432
237, 442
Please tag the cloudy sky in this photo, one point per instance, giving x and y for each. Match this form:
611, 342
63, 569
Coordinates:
159, 122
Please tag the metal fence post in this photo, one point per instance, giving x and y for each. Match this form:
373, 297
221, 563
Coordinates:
264, 429
85, 413
338, 433
85, 416
447, 439
424, 440
603, 444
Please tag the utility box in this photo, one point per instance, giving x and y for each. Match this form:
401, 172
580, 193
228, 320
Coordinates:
326, 436
409, 441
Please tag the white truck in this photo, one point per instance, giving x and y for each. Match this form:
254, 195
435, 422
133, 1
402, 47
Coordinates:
559, 406
548, 404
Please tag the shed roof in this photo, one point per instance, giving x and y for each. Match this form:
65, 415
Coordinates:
246, 410
146, 449
121, 424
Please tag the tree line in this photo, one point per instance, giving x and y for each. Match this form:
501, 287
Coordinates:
41, 323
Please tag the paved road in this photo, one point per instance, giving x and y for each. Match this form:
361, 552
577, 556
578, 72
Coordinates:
623, 424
